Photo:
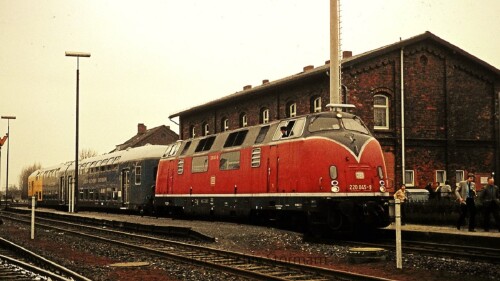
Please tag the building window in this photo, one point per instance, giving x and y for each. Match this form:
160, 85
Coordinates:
410, 178
315, 104
191, 131
264, 115
243, 120
291, 109
440, 176
205, 128
459, 176
224, 124
381, 112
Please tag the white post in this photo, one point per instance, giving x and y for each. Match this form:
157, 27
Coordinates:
399, 258
33, 217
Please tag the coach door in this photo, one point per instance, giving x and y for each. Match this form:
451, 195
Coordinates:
61, 190
125, 186
272, 169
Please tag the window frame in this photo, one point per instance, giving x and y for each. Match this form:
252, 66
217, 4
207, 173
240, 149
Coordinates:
412, 182
315, 104
264, 115
443, 176
385, 107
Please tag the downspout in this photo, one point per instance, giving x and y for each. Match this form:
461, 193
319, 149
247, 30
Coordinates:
403, 145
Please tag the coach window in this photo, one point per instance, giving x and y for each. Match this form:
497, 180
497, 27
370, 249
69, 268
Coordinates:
229, 160
264, 116
381, 112
243, 120
199, 164
409, 178
224, 126
291, 109
138, 170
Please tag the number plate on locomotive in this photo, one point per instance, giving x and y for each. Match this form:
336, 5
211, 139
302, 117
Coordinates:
360, 187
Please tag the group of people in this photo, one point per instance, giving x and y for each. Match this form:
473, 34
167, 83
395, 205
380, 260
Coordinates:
466, 194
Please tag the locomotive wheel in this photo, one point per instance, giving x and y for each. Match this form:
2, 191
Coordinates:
335, 219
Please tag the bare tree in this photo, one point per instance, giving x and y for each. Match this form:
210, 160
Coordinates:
23, 178
87, 153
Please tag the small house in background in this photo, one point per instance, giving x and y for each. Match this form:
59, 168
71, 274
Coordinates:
161, 135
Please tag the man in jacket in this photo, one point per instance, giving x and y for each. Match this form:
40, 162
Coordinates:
465, 193
490, 198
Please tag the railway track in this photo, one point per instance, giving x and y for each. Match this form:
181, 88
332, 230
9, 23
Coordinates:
18, 263
239, 264
484, 254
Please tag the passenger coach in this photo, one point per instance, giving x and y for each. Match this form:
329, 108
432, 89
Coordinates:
323, 167
120, 180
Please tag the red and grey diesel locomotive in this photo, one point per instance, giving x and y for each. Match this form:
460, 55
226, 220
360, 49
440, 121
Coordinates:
324, 167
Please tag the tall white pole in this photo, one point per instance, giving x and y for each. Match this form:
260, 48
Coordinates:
399, 255
32, 217
335, 79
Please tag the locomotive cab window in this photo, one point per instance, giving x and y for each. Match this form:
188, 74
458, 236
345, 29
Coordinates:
289, 129
355, 124
324, 123
262, 134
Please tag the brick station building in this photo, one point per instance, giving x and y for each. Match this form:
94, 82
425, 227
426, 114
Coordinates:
451, 108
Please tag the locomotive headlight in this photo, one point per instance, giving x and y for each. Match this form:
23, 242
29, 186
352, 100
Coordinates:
335, 188
382, 188
382, 182
334, 182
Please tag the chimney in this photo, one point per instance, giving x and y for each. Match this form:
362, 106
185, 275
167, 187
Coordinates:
247, 87
308, 67
141, 129
346, 54
265, 81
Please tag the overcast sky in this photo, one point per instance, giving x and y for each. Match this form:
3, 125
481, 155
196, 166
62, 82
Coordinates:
151, 59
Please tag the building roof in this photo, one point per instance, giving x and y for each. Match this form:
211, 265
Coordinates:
248, 92
142, 137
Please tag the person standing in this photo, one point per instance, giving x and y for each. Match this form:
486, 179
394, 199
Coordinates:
490, 198
401, 195
465, 193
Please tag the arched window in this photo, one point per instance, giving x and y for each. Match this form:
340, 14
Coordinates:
205, 128
264, 115
224, 126
315, 104
381, 112
291, 109
191, 131
243, 120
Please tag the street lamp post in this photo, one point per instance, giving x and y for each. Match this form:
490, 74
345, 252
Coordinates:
74, 204
7, 171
